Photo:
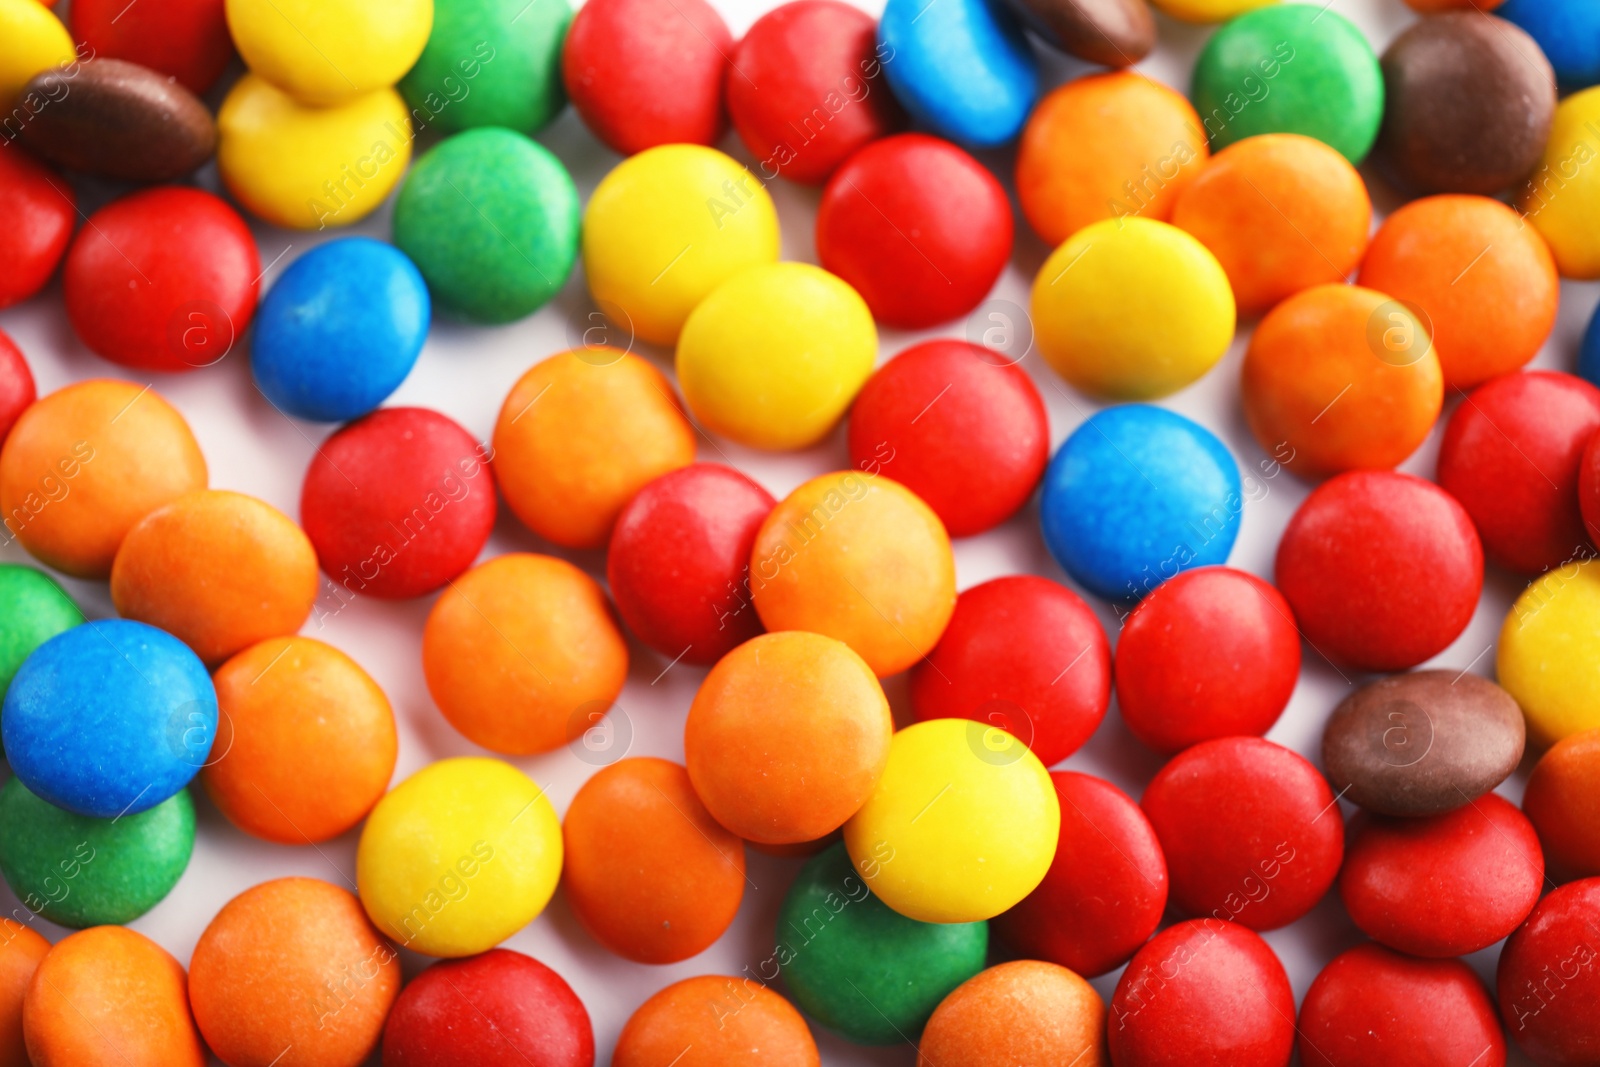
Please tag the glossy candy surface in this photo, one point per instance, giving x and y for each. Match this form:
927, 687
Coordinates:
187, 39
967, 72
37, 214
1561, 801
1025, 1011
1549, 652
1555, 945
329, 51
21, 949
716, 1021
490, 63
33, 609
1113, 33
1567, 31
1564, 193
17, 388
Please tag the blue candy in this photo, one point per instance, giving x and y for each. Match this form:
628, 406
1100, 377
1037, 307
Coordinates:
961, 67
340, 330
1589, 354
1136, 495
109, 718
1569, 33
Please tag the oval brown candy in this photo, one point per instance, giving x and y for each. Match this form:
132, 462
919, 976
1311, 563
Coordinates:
1112, 33
116, 120
1422, 743
1469, 101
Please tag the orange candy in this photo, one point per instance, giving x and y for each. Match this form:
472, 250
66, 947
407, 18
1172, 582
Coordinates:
859, 558
84, 464
217, 570
522, 654
109, 996
1483, 277
1106, 146
1340, 378
786, 737
716, 1021
579, 435
21, 949
1563, 801
648, 871
305, 743
1281, 213
292, 974
1023, 1012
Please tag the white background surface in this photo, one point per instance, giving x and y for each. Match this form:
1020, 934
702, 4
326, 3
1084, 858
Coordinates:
465, 371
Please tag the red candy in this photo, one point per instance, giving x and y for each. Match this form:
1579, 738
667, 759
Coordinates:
967, 434
17, 390
187, 39
37, 211
1024, 654
1250, 830
1106, 888
806, 89
1202, 993
398, 503
1371, 1007
1210, 653
643, 73
1444, 885
163, 279
500, 1009
918, 227
679, 561
1382, 569
1511, 455
1548, 982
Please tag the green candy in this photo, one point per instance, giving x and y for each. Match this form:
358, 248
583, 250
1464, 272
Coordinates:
861, 968
33, 609
491, 220
1290, 68
490, 63
80, 871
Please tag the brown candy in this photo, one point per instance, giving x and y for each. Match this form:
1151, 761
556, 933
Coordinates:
117, 120
1112, 33
1422, 743
1469, 100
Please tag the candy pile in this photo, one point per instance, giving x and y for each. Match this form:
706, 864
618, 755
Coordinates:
948, 889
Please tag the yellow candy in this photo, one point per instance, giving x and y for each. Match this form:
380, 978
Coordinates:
962, 824
330, 51
31, 40
458, 857
1132, 309
666, 227
1562, 197
308, 168
1208, 10
1549, 657
774, 356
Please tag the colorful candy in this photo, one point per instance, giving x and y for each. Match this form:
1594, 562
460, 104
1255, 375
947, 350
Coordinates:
860, 968
818, 60
519, 650
1560, 802
1423, 743
678, 564
35, 41
1548, 984
1549, 652
1207, 10
1560, 197
458, 857
398, 503
1567, 31
17, 388
21, 949
292, 969
964, 430
490, 63
716, 1021
1022, 654
1479, 869
787, 737
967, 72
1105, 890
33, 609
87, 462
37, 214
647, 870
187, 39
308, 742
1132, 309
925, 842
163, 279
772, 357
1134, 496
581, 433
1382, 569
109, 718
1210, 653
860, 559
1019, 1012
80, 871
1112, 33
500, 1009
643, 73
1511, 454
491, 220
322, 52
